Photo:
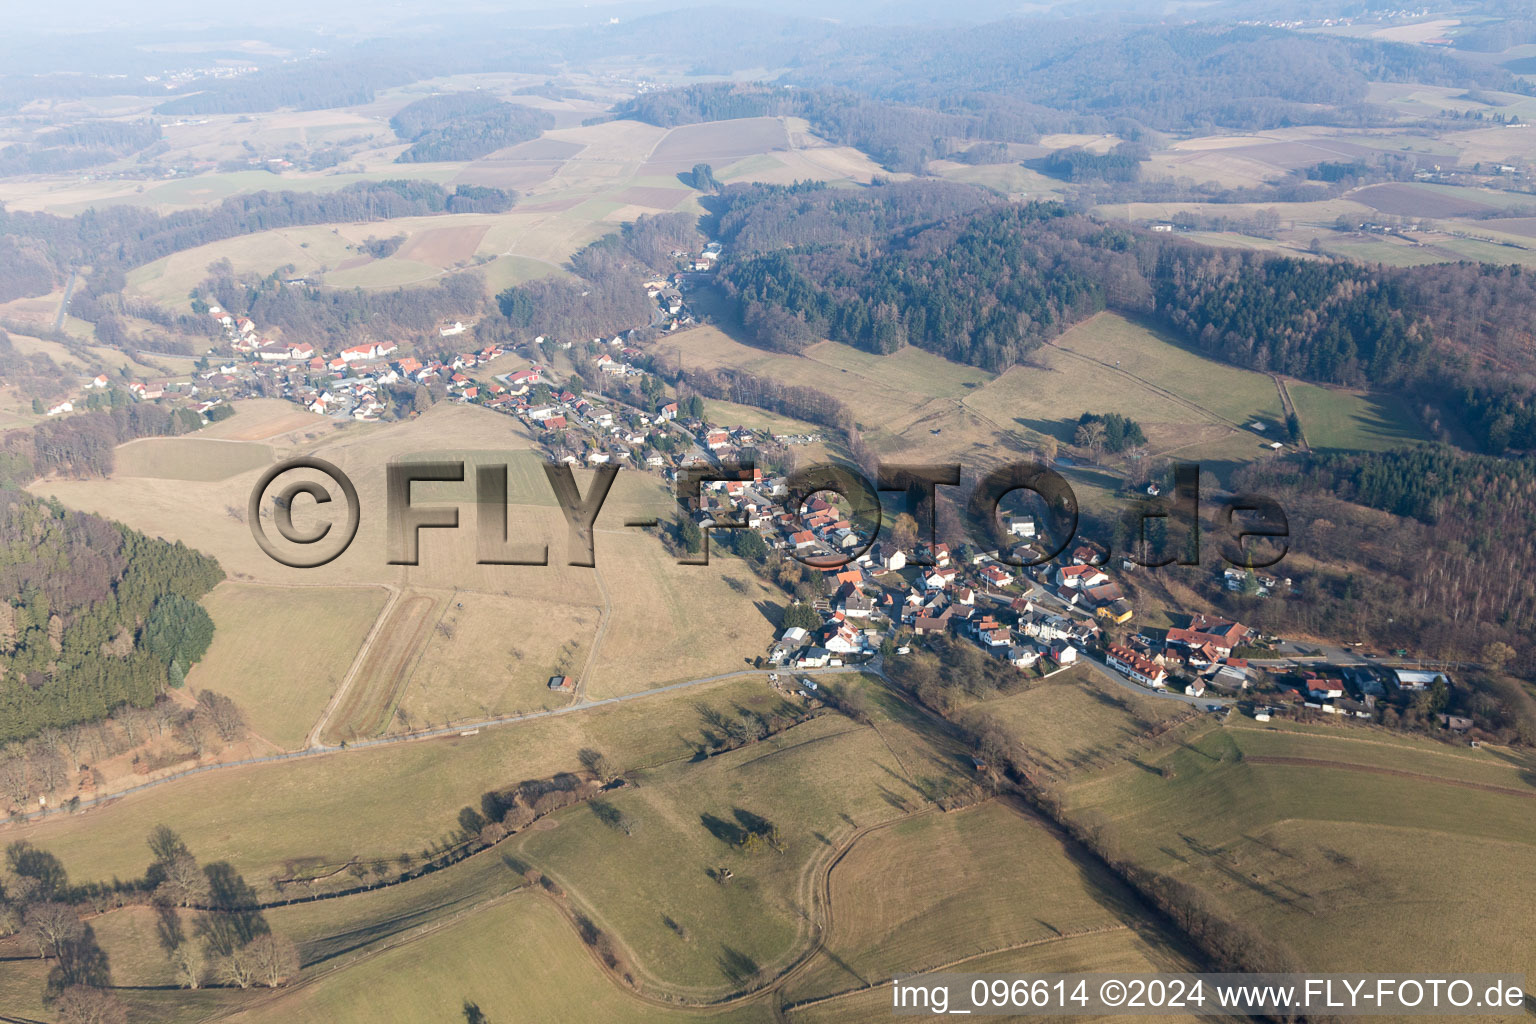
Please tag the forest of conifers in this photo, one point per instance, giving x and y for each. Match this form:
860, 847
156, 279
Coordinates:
103, 616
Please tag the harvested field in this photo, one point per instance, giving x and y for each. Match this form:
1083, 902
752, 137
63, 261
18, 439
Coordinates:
1310, 859
283, 687
555, 979
1525, 226
659, 198
720, 140
444, 247
493, 655
263, 419
1404, 200
936, 888
189, 458
371, 699
513, 174
1313, 762
538, 149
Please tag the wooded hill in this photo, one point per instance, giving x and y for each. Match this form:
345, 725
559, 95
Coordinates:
464, 126
907, 96
101, 615
987, 287
604, 297
37, 250
86, 144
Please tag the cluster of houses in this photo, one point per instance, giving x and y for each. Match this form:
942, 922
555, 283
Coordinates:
345, 384
983, 601
1200, 652
1355, 691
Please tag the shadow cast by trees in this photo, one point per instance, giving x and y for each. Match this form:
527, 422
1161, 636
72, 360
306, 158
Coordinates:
235, 917
736, 965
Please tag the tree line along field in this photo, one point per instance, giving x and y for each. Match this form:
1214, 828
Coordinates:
1332, 840
1056, 901
829, 784
379, 802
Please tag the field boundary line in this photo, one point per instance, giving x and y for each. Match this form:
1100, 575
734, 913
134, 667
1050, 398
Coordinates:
605, 616
386, 945
312, 741
1156, 389
398, 695
1288, 407
1314, 762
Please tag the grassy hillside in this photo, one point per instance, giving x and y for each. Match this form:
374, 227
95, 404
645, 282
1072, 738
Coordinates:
1329, 839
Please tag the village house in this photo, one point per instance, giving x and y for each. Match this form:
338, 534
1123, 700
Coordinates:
939, 579
1230, 677
1415, 679
1080, 577
1062, 653
1022, 657
373, 350
1118, 612
996, 575
1132, 665
1208, 637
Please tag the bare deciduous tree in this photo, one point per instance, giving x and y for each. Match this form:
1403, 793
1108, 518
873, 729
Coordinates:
222, 713
1090, 435
184, 884
190, 963
49, 925
596, 762
81, 1004
197, 733
277, 959
165, 714
46, 764
239, 967
15, 779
